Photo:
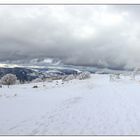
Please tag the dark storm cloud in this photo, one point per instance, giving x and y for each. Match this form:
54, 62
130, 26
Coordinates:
98, 35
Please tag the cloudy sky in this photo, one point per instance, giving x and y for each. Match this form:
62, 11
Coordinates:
94, 35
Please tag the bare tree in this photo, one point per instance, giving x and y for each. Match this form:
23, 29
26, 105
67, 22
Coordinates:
9, 79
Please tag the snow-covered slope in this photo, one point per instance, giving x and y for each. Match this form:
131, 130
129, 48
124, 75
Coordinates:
95, 106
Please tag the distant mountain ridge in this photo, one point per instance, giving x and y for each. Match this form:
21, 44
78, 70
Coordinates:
28, 74
27, 70
33, 62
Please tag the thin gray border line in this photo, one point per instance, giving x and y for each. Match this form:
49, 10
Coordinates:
68, 135
69, 4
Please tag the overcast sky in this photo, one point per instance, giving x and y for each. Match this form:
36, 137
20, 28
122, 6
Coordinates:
102, 35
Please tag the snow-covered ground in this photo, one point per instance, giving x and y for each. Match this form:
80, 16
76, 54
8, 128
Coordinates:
95, 106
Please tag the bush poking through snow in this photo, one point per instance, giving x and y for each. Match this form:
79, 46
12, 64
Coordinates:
118, 76
35, 86
114, 77
83, 75
9, 79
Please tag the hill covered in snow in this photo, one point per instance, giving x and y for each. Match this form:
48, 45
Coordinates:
94, 106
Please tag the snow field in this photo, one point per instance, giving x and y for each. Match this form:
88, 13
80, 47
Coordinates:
94, 106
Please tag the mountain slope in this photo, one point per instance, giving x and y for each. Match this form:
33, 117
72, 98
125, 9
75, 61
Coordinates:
94, 106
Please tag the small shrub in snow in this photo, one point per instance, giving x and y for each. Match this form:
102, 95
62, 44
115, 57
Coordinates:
114, 77
133, 75
83, 75
15, 94
117, 76
9, 79
35, 86
111, 77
